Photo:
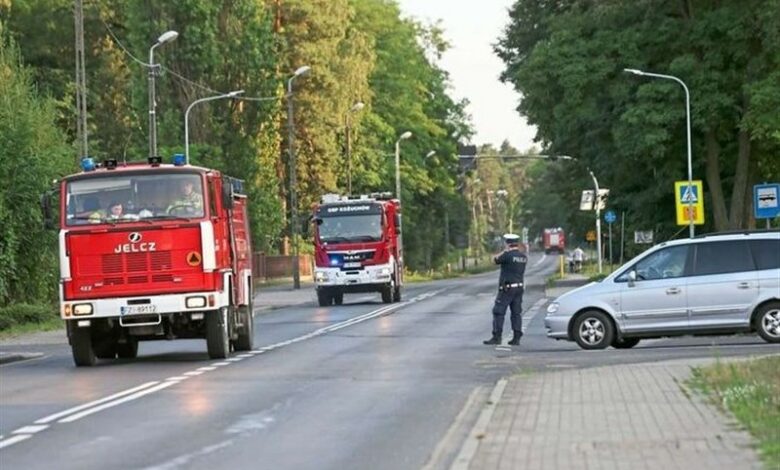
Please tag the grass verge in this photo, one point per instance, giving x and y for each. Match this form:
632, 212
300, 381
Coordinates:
18, 319
750, 390
415, 276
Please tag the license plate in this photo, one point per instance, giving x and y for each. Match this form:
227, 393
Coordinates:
138, 309
352, 265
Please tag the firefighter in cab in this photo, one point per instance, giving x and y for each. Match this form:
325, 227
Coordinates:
510, 290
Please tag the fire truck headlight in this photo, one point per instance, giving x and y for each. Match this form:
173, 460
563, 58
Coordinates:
195, 302
384, 272
82, 309
320, 276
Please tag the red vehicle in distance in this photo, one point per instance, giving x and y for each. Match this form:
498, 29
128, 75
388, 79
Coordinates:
152, 251
554, 239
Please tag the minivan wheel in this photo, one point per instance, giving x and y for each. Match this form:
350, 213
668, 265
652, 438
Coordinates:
768, 322
593, 330
624, 343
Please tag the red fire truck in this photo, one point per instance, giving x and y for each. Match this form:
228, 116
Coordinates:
554, 240
357, 247
152, 251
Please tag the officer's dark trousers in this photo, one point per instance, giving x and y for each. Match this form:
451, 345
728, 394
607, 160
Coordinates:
512, 298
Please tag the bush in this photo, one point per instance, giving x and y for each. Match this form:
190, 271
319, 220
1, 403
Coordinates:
20, 314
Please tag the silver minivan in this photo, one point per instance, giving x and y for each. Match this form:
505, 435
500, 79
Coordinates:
712, 284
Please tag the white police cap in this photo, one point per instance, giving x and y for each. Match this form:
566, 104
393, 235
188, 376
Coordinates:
511, 238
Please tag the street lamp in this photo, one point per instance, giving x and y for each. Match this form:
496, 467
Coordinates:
403, 136
597, 201
232, 94
430, 154
166, 37
688, 122
355, 108
293, 193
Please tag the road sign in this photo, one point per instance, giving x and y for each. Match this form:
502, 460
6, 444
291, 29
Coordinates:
591, 236
689, 199
610, 217
643, 237
766, 200
586, 201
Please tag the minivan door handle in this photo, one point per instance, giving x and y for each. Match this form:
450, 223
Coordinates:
743, 285
672, 291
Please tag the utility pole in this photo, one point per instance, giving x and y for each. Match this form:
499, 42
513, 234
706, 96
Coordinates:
81, 81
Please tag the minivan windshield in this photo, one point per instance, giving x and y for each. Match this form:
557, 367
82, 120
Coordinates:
126, 197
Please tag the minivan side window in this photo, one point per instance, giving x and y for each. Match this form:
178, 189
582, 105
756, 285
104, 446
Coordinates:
766, 253
730, 256
663, 264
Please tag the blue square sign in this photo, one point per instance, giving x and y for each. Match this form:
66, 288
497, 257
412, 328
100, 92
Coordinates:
766, 200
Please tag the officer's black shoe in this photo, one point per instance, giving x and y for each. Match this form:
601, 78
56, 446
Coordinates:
493, 340
515, 341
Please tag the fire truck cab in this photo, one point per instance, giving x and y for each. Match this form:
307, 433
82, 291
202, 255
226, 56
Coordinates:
357, 247
152, 251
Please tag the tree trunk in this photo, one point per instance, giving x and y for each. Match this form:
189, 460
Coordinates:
737, 217
714, 183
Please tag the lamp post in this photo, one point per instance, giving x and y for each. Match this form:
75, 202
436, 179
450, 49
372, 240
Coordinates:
688, 122
403, 136
347, 130
166, 37
597, 201
293, 192
232, 94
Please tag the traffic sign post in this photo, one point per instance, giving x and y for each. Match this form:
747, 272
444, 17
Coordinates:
689, 202
766, 201
610, 217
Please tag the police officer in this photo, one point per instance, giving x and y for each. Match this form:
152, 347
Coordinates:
510, 290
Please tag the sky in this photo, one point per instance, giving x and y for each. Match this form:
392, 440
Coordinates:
472, 27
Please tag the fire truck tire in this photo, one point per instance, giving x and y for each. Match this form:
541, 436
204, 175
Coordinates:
397, 294
217, 337
387, 293
81, 346
338, 299
323, 298
129, 349
105, 348
246, 334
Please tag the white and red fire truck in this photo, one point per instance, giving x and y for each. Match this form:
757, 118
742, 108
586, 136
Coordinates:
357, 247
152, 251
554, 240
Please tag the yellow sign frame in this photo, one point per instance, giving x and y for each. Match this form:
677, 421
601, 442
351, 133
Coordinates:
681, 206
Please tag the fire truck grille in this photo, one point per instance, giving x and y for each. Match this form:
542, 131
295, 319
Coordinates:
112, 264
136, 262
162, 278
161, 260
137, 280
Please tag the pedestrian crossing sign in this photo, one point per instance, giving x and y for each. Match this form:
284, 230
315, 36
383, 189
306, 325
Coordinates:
689, 202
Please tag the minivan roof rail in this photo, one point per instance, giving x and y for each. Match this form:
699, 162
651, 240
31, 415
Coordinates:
737, 232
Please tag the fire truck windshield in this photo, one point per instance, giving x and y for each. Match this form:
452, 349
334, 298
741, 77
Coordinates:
351, 228
127, 197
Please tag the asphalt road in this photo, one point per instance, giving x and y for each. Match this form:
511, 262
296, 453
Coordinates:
363, 385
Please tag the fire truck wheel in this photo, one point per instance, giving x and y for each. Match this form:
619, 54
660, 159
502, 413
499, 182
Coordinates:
338, 299
387, 294
81, 346
128, 349
105, 348
217, 338
397, 294
246, 334
323, 298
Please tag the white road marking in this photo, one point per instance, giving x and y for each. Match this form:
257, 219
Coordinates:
111, 404
544, 256
59, 415
78, 412
532, 312
469, 449
31, 429
13, 440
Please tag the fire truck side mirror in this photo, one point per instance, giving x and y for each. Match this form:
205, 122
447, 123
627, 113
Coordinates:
227, 194
397, 221
48, 217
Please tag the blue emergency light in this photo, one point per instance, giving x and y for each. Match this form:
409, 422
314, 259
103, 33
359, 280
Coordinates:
178, 159
87, 164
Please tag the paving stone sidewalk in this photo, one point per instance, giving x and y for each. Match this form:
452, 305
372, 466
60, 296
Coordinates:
628, 416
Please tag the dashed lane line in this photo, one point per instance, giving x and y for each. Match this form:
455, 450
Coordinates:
78, 412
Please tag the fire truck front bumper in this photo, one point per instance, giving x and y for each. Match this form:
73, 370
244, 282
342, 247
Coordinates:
336, 277
119, 307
